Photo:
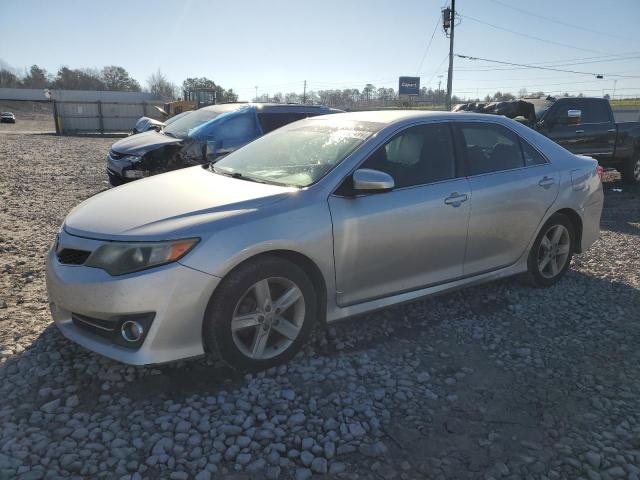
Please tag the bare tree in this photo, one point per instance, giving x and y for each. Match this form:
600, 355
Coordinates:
159, 85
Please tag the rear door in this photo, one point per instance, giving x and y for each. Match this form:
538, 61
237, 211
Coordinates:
412, 236
512, 186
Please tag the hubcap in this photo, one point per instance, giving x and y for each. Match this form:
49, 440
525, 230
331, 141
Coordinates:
268, 318
554, 251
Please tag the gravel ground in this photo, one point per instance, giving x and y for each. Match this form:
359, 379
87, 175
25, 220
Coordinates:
496, 381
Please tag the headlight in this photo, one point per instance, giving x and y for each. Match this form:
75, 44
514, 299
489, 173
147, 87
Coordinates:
133, 158
118, 258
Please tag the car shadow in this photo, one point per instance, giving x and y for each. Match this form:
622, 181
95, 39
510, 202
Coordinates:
415, 322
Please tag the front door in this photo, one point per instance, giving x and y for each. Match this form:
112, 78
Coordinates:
408, 238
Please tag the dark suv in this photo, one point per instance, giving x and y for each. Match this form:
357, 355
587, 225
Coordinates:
201, 136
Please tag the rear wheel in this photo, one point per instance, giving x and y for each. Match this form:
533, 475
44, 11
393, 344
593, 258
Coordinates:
261, 314
551, 253
631, 170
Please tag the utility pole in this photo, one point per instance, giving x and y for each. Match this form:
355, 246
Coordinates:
613, 95
304, 94
439, 81
450, 75
256, 87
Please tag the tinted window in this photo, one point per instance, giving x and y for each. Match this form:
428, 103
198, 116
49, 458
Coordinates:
490, 148
273, 121
531, 155
419, 155
594, 111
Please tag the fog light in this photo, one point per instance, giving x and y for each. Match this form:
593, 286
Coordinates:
131, 331
136, 173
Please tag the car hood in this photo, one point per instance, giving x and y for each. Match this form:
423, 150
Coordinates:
178, 204
143, 142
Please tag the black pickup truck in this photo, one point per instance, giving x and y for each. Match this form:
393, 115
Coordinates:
584, 126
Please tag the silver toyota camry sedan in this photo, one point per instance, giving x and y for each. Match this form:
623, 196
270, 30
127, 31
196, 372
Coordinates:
320, 220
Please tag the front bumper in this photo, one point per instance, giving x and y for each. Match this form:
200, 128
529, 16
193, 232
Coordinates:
117, 169
176, 294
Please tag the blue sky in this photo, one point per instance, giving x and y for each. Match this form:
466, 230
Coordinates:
276, 45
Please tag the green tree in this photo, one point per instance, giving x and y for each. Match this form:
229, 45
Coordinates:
36, 78
118, 79
78, 79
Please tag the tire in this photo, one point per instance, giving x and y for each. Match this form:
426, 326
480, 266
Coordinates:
546, 267
631, 170
236, 301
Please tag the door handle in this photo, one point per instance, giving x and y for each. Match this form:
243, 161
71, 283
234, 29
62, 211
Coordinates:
579, 131
455, 199
612, 130
546, 182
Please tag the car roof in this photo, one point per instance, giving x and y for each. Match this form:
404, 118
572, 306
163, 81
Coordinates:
272, 107
388, 117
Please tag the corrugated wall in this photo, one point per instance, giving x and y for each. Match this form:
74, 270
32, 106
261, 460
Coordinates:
38, 95
101, 116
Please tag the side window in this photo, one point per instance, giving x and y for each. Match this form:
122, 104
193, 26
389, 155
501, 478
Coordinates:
559, 111
595, 111
272, 121
490, 148
531, 155
237, 129
418, 155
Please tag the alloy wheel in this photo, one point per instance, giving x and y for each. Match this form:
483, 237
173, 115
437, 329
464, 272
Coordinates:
268, 318
554, 250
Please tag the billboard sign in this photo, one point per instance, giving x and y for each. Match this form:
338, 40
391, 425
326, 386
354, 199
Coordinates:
409, 86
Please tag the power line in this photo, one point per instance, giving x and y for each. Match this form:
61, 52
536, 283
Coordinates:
559, 22
428, 46
541, 67
533, 37
559, 64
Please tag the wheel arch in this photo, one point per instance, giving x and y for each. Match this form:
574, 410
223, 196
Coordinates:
576, 221
308, 266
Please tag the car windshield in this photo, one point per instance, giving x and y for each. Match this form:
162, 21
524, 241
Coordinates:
298, 154
180, 127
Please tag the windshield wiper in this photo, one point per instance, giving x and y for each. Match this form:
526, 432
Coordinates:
169, 134
237, 175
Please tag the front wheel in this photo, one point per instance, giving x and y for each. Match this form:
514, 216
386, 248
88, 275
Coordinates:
261, 314
551, 253
631, 170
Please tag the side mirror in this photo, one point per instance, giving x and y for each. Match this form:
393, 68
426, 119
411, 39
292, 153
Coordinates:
366, 180
574, 117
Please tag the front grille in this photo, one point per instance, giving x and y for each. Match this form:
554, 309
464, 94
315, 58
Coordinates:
70, 256
115, 155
